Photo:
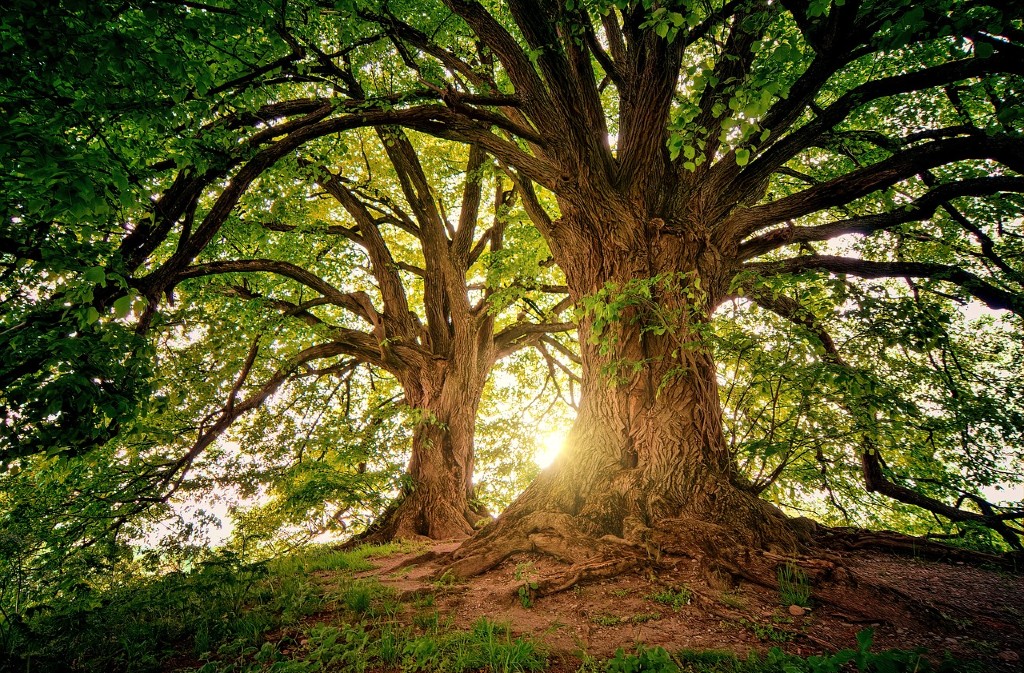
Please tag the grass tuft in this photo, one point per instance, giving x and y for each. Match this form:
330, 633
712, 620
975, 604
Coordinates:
673, 598
794, 587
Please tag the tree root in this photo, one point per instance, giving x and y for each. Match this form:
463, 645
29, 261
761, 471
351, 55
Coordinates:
584, 572
890, 541
551, 534
722, 551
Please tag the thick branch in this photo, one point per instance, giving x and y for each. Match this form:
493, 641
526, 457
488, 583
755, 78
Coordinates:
859, 183
357, 302
520, 335
994, 297
791, 145
920, 209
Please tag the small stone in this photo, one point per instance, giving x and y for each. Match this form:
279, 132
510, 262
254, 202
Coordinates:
797, 611
1009, 656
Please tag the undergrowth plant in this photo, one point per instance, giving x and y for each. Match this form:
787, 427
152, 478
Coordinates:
794, 587
526, 575
767, 632
222, 606
280, 616
674, 598
646, 660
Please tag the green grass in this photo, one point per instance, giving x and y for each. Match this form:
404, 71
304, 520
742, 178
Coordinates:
794, 587
859, 660
221, 607
767, 632
240, 617
606, 620
673, 598
320, 558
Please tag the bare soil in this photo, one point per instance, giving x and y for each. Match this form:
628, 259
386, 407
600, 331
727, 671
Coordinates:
972, 613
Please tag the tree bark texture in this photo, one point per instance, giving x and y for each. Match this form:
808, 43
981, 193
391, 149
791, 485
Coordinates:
646, 467
438, 501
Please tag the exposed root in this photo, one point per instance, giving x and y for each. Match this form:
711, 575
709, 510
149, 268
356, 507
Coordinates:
890, 541
555, 535
723, 551
425, 557
584, 572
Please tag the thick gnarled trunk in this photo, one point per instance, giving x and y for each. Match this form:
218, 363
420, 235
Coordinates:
438, 502
445, 395
645, 465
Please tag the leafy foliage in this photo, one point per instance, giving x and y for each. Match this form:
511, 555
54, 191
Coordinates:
184, 307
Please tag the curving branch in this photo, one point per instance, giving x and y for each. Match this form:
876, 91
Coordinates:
994, 297
357, 303
920, 209
173, 474
788, 146
872, 464
531, 91
525, 334
885, 173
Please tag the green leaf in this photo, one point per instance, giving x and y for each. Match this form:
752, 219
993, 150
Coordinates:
742, 157
122, 306
95, 275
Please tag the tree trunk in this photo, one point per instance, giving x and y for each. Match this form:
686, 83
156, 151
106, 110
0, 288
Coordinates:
646, 466
438, 501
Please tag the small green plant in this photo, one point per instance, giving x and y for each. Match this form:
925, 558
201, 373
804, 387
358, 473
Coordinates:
358, 597
527, 590
389, 644
343, 649
733, 601
646, 660
606, 620
673, 598
446, 580
620, 593
767, 632
588, 663
865, 661
794, 587
428, 621
424, 601
486, 646
845, 661
720, 661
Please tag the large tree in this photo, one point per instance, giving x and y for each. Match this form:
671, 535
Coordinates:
673, 155
408, 308
407, 274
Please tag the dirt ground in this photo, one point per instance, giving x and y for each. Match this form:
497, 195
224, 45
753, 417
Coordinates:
973, 613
